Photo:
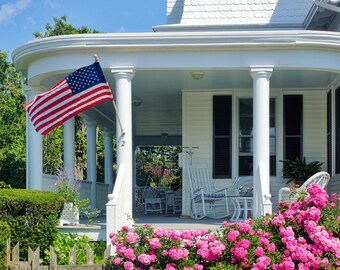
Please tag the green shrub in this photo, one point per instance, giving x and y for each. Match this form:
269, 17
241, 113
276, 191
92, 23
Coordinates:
32, 216
4, 235
4, 185
63, 244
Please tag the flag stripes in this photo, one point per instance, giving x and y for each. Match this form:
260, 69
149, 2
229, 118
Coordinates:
54, 107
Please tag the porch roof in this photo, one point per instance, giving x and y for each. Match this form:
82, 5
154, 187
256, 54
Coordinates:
163, 63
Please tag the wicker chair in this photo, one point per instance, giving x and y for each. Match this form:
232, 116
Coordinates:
320, 178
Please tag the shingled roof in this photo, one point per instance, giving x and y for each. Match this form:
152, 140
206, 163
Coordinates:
238, 12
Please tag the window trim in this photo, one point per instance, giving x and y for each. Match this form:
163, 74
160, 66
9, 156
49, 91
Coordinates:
273, 167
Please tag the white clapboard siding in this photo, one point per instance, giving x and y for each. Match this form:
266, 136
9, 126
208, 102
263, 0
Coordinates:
315, 126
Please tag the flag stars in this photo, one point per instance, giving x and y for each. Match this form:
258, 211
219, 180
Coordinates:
83, 78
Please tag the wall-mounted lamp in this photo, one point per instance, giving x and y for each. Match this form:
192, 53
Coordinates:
137, 102
197, 75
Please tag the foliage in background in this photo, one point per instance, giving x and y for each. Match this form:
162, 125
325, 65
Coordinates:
4, 185
4, 235
53, 150
158, 166
32, 216
13, 126
61, 27
63, 244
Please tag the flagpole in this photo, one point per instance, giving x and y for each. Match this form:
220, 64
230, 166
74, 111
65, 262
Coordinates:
114, 103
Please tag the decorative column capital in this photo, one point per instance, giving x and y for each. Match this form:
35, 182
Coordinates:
90, 123
122, 72
32, 90
259, 71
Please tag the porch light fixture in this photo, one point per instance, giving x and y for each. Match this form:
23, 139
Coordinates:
197, 75
137, 102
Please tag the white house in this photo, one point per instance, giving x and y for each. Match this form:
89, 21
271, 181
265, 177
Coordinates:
249, 82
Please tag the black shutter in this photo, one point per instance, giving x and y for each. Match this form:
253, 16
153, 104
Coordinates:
292, 118
221, 136
329, 132
337, 130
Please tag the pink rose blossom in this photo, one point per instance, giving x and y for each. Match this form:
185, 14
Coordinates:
155, 243
198, 266
128, 266
232, 235
116, 261
259, 252
125, 229
145, 259
129, 254
131, 238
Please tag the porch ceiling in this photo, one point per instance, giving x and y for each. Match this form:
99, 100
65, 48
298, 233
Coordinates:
161, 94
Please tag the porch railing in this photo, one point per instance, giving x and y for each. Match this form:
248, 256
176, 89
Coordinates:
113, 220
266, 204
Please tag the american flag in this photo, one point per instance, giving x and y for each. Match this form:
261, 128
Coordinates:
79, 91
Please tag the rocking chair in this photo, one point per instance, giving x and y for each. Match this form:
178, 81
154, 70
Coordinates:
205, 202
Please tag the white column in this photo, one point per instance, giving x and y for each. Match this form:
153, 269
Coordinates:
69, 145
261, 139
108, 159
34, 149
91, 155
123, 77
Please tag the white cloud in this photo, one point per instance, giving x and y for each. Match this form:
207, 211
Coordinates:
52, 4
9, 10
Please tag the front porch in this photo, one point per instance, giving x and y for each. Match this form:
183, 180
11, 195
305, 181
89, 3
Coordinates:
97, 230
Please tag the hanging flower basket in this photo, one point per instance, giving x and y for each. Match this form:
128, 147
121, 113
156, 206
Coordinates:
69, 215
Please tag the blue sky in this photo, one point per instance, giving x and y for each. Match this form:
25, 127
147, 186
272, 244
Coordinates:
20, 18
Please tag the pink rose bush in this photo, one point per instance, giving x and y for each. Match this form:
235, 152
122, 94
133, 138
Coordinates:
303, 235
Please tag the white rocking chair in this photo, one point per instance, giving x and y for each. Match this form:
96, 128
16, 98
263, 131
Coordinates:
320, 178
205, 202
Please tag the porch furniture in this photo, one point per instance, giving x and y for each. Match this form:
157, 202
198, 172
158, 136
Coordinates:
288, 195
206, 202
243, 199
173, 202
152, 200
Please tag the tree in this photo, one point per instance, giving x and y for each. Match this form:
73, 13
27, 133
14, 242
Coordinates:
60, 27
158, 166
12, 126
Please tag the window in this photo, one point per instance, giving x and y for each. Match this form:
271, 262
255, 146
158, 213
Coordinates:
329, 132
221, 136
337, 130
246, 137
292, 119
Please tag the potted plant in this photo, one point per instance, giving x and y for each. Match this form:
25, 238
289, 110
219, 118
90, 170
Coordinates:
298, 171
68, 188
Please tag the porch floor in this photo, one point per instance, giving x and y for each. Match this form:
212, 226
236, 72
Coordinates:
96, 230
